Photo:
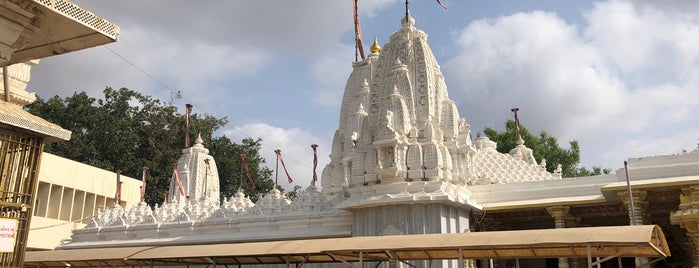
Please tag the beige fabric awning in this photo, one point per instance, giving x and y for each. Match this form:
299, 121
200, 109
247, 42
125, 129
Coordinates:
623, 241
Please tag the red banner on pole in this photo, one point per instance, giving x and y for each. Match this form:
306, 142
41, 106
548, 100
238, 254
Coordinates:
247, 170
188, 109
177, 178
117, 196
143, 186
281, 159
315, 162
358, 32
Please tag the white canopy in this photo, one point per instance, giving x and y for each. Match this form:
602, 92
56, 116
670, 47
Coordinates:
609, 242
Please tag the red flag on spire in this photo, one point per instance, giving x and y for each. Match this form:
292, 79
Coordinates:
315, 162
358, 32
143, 186
208, 167
279, 154
515, 110
247, 170
177, 179
442, 4
188, 109
117, 195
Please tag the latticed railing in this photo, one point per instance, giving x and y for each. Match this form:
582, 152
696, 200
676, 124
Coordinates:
20, 155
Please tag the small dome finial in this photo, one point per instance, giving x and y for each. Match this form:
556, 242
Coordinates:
375, 48
199, 140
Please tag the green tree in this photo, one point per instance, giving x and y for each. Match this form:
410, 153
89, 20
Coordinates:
127, 130
233, 177
546, 147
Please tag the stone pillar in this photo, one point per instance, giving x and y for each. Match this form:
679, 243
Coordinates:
688, 218
559, 214
572, 222
639, 207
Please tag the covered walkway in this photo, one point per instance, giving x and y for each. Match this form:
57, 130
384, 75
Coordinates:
604, 242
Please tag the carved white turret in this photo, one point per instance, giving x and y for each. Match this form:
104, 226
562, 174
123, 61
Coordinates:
198, 174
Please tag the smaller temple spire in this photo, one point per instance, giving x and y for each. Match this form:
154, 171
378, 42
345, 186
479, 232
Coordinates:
198, 140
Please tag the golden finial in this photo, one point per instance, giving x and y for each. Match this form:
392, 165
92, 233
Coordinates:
375, 48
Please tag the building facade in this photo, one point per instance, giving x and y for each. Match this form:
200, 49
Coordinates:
69, 195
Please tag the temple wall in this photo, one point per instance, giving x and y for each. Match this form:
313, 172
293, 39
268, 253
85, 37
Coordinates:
410, 219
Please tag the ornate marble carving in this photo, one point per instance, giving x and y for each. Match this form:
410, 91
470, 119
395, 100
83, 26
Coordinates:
412, 131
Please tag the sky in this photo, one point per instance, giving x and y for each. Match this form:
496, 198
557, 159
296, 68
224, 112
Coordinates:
621, 77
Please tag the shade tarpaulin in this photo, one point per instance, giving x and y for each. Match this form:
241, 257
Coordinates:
623, 241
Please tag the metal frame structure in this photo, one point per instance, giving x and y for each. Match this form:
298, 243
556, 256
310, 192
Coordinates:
20, 155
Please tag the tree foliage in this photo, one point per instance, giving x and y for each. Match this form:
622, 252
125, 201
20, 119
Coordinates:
127, 130
546, 147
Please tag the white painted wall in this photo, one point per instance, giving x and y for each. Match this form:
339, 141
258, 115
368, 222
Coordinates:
69, 194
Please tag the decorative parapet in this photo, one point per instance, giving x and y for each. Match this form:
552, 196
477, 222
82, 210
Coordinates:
311, 200
237, 204
237, 219
274, 202
488, 166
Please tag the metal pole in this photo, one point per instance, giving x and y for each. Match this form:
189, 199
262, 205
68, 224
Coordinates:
632, 210
461, 258
361, 259
6, 83
276, 172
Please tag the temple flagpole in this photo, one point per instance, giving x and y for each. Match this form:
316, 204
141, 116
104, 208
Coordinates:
276, 169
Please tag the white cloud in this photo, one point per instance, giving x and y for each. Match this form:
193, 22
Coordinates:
631, 70
295, 145
330, 73
649, 45
537, 62
647, 145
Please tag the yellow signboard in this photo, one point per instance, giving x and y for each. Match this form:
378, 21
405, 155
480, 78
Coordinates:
8, 234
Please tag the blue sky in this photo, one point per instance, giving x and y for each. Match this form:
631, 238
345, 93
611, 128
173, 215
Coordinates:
620, 77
